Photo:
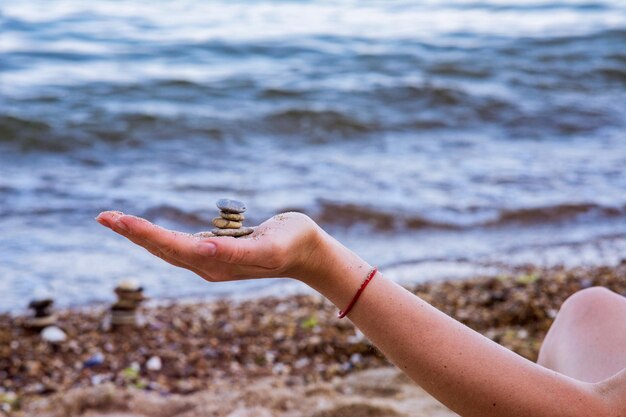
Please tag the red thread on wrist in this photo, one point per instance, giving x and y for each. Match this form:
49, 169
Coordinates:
370, 275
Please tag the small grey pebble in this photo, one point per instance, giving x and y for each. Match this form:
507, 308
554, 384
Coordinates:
231, 206
233, 232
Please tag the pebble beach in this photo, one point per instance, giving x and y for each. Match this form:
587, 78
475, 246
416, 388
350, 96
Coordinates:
184, 358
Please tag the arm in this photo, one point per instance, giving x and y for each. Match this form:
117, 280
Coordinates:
464, 370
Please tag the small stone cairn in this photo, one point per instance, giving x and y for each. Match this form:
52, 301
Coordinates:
42, 314
230, 222
129, 296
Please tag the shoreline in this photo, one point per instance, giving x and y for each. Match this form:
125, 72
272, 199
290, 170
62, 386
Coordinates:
295, 340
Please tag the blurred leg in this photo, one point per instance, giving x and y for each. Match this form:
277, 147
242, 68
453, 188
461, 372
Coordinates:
587, 341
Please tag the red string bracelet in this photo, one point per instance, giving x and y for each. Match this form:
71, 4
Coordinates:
370, 275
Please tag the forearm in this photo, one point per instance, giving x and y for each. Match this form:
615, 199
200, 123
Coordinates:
464, 370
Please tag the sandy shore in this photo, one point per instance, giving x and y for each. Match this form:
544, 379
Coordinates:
380, 392
272, 356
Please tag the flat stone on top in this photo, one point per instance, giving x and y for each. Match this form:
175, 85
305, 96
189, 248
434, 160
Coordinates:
231, 206
233, 232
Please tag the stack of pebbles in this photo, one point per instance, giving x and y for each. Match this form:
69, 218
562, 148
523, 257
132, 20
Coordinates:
129, 296
43, 316
230, 222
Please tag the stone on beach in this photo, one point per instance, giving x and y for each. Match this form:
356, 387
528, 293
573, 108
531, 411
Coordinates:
123, 318
154, 364
41, 305
43, 316
53, 334
41, 322
231, 206
95, 360
129, 296
225, 224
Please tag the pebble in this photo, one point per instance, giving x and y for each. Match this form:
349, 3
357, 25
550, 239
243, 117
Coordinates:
123, 318
93, 361
53, 334
100, 378
244, 231
154, 364
41, 322
232, 216
43, 316
129, 285
129, 296
41, 304
356, 358
126, 303
225, 224
231, 206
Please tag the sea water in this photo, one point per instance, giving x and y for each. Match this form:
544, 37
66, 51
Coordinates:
434, 138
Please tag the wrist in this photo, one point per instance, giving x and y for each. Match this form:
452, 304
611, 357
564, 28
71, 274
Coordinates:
332, 269
314, 255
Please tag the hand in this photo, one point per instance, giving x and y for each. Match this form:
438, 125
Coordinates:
284, 246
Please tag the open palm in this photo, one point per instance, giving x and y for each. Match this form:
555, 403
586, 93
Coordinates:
279, 247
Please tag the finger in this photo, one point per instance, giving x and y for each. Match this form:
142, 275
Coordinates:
142, 233
108, 218
171, 243
111, 219
191, 250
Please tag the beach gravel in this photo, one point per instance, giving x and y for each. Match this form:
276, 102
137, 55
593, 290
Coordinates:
294, 340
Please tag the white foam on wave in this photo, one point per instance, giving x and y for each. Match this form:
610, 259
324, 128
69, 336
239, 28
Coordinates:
112, 30
200, 21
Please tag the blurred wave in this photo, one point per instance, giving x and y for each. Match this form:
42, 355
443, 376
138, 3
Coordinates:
331, 213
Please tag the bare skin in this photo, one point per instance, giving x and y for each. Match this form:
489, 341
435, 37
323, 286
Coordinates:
464, 370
